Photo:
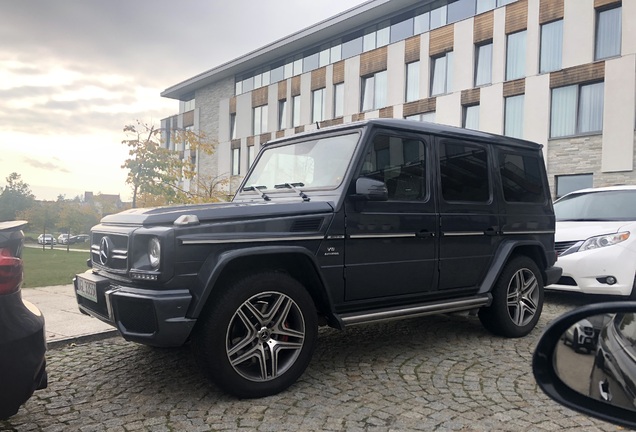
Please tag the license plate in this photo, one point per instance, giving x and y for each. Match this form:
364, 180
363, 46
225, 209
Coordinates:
87, 289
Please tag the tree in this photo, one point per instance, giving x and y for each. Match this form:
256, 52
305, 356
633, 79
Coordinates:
15, 197
157, 174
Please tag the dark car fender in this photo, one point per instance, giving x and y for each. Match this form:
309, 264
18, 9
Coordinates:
213, 272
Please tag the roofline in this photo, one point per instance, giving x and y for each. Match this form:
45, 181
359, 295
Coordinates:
348, 21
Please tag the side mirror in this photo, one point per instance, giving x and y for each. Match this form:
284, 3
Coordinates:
586, 360
370, 190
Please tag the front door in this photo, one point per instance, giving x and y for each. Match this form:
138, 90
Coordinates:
391, 246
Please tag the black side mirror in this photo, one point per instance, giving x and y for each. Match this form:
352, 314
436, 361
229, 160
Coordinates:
370, 190
586, 360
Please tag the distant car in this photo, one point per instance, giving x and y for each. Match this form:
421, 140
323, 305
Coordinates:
46, 239
581, 335
22, 337
63, 239
82, 238
596, 241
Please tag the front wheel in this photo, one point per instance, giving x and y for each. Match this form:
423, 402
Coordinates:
258, 335
517, 299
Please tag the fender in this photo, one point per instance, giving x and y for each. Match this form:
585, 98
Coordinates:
214, 266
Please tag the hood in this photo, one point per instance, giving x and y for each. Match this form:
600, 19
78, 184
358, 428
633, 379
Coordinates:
217, 212
575, 231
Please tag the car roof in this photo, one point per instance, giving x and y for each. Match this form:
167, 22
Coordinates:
603, 189
422, 127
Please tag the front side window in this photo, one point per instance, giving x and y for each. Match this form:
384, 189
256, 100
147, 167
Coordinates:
318, 105
471, 117
521, 178
442, 74
513, 121
483, 64
516, 56
338, 100
577, 109
400, 163
570, 183
236, 161
260, 120
412, 81
551, 46
608, 33
296, 111
464, 172
374, 91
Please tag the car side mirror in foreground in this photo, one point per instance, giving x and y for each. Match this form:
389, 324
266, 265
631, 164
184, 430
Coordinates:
371, 190
586, 360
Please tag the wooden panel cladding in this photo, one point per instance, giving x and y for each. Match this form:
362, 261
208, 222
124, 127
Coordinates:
373, 61
282, 90
483, 28
250, 141
299, 129
471, 97
233, 105
514, 88
265, 137
603, 3
357, 117
412, 49
331, 122
259, 96
236, 144
420, 106
441, 40
517, 16
578, 74
295, 86
188, 118
319, 78
386, 112
280, 134
550, 10
338, 72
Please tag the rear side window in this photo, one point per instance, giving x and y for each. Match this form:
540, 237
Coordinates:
521, 178
464, 172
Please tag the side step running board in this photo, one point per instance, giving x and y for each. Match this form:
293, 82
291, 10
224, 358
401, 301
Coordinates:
418, 310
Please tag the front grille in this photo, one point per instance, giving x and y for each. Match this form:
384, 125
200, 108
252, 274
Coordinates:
117, 261
588, 331
563, 246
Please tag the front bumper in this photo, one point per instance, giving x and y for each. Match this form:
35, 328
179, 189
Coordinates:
147, 316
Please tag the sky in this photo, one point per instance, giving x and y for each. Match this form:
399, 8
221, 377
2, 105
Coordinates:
73, 73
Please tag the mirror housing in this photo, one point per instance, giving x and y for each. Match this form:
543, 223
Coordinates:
544, 366
368, 189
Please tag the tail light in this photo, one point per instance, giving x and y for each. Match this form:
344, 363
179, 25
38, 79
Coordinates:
10, 272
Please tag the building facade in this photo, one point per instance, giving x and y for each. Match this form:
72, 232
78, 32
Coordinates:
558, 72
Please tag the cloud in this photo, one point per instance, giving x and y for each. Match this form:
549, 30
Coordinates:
36, 163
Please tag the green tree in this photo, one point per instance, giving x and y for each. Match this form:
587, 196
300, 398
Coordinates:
15, 197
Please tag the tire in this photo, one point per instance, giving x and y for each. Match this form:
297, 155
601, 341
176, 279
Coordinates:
575, 341
257, 336
517, 299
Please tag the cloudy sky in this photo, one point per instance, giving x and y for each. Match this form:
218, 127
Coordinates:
74, 72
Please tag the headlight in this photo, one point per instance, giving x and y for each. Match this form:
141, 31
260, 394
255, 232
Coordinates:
604, 240
154, 252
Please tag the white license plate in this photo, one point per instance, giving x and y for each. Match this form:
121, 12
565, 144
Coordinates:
87, 289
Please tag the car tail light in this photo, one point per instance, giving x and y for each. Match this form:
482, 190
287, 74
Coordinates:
10, 272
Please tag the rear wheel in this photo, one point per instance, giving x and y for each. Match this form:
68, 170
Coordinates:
517, 299
258, 335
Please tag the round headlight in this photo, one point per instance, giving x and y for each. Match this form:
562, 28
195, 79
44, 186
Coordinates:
154, 252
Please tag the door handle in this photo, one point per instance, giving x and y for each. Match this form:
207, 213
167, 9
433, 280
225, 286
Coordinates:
492, 231
603, 388
424, 234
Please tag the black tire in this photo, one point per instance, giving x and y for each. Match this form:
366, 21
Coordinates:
575, 341
252, 321
520, 282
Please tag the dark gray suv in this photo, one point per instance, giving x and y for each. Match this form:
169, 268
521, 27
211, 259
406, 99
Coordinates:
370, 221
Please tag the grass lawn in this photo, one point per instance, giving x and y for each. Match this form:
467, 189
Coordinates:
51, 267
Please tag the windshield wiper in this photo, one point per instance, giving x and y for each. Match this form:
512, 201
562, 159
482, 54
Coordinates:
295, 187
257, 189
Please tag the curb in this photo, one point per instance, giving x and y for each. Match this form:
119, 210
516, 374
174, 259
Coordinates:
63, 343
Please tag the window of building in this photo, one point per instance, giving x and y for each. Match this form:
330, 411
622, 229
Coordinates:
608, 32
277, 73
516, 55
376, 36
577, 109
296, 111
233, 126
311, 62
251, 152
324, 57
504, 2
570, 183
471, 117
551, 46
442, 74
260, 120
438, 17
412, 81
282, 114
521, 178
513, 121
427, 117
236, 161
421, 22
464, 172
485, 5
402, 29
351, 46
318, 105
338, 100
374, 91
459, 10
188, 105
483, 64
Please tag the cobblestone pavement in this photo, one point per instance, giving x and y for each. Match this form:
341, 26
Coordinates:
433, 373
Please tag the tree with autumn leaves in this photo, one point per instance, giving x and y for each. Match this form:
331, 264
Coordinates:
157, 174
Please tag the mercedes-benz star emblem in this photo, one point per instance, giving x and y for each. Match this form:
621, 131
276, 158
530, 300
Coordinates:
105, 249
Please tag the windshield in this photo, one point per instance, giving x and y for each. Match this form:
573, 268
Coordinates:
316, 163
617, 205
